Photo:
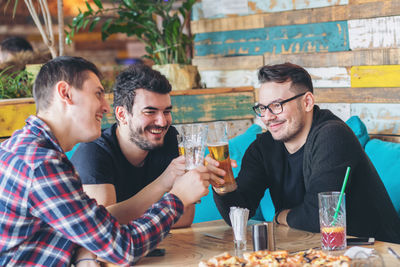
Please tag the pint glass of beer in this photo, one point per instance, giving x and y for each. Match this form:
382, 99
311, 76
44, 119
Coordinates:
217, 143
194, 142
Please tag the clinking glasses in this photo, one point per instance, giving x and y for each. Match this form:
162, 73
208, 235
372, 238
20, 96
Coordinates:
275, 107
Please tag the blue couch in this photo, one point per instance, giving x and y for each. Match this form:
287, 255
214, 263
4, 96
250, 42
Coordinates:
384, 155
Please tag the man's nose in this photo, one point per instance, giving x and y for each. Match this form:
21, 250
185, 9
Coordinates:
161, 119
105, 106
268, 116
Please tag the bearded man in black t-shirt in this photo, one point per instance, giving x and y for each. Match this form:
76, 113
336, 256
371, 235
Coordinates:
138, 155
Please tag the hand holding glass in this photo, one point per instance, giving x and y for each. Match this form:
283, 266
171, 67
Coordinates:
217, 143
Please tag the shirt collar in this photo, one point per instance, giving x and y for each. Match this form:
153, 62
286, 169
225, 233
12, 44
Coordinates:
39, 127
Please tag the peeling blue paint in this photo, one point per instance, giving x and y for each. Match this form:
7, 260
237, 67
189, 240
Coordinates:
315, 37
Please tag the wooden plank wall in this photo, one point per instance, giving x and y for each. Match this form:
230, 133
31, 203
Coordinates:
190, 106
351, 49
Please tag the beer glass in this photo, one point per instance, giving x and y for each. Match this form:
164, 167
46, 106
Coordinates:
194, 141
217, 143
179, 137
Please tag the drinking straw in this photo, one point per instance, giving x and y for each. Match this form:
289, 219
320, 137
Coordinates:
346, 177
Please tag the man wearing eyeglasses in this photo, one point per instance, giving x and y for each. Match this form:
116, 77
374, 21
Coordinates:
306, 151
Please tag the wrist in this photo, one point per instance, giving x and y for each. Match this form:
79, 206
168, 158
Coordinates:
87, 261
276, 217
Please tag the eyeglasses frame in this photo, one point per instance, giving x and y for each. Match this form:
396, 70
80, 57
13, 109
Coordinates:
257, 105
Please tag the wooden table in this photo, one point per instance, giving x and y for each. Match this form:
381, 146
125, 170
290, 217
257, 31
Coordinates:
187, 247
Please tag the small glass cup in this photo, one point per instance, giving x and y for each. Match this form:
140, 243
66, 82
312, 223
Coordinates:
217, 143
333, 231
194, 141
179, 137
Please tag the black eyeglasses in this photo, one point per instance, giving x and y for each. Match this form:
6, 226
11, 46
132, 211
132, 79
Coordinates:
275, 107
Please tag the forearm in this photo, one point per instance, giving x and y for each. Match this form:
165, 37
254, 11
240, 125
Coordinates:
187, 217
137, 205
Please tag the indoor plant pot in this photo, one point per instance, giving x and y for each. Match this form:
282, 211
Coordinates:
160, 24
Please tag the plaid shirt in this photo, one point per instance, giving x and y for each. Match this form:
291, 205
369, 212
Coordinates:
45, 215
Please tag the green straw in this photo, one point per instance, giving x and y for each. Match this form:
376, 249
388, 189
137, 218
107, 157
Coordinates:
346, 177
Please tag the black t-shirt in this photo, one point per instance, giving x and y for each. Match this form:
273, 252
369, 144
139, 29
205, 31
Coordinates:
102, 162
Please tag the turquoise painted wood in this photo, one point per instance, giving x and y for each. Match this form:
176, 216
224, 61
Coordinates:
316, 37
202, 108
262, 6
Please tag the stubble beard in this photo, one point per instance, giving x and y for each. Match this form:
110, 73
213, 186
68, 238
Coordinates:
293, 131
136, 136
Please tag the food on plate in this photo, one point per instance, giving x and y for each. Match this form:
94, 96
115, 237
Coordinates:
309, 258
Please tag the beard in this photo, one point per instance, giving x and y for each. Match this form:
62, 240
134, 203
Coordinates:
136, 136
293, 130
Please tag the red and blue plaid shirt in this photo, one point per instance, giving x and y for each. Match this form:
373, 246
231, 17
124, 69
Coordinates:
45, 215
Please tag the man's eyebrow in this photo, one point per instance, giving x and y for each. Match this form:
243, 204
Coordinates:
153, 108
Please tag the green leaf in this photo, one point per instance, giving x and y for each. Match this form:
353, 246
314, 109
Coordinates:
94, 23
106, 25
98, 3
88, 7
129, 3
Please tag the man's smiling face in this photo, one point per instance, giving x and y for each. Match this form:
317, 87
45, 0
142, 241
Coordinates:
150, 119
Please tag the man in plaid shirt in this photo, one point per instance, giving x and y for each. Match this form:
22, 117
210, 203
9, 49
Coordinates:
44, 213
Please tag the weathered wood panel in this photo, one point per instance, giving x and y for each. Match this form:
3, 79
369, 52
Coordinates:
200, 105
229, 63
375, 76
354, 10
232, 78
261, 6
342, 110
329, 77
318, 37
322, 77
389, 56
13, 115
228, 24
357, 95
374, 33
201, 108
379, 118
387, 138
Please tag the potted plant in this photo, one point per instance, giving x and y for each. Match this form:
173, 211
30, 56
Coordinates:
160, 24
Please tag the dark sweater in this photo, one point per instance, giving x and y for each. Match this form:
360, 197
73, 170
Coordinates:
331, 146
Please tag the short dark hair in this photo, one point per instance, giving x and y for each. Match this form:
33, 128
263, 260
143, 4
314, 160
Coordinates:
73, 70
138, 76
15, 44
280, 73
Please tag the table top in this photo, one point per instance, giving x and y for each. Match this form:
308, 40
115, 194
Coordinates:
188, 246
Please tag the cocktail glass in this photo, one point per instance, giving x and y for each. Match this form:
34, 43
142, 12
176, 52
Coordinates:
333, 230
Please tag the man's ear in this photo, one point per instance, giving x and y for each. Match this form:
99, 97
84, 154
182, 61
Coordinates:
309, 101
121, 114
64, 92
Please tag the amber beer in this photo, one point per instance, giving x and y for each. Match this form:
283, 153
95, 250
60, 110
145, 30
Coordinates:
181, 150
220, 152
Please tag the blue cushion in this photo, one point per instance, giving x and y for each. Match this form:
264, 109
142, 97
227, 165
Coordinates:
359, 129
267, 207
72, 151
386, 158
